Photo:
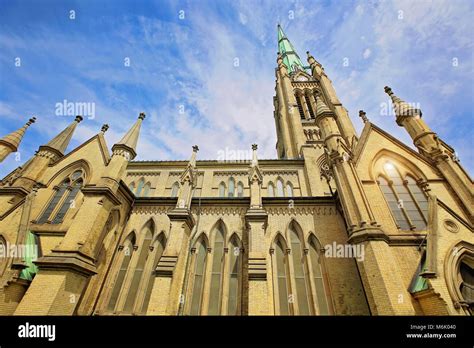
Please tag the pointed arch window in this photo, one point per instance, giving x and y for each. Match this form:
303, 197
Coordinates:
65, 195
310, 106
299, 265
282, 278
146, 189
231, 187
3, 260
143, 253
289, 189
216, 272
235, 266
280, 192
127, 251
198, 277
140, 185
240, 189
466, 270
174, 190
69, 202
405, 198
300, 106
156, 253
271, 190
318, 276
221, 189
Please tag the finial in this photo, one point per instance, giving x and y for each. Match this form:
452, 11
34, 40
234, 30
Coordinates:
388, 90
78, 118
142, 116
195, 148
31, 121
104, 128
254, 147
363, 116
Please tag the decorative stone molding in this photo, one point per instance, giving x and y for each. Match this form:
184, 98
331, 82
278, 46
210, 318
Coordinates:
451, 226
280, 172
257, 268
230, 173
167, 265
144, 174
324, 211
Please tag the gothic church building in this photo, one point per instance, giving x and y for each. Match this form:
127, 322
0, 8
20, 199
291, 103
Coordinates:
259, 237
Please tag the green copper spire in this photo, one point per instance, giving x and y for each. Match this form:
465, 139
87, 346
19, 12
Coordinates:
288, 52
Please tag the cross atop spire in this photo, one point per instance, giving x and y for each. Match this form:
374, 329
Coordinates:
288, 53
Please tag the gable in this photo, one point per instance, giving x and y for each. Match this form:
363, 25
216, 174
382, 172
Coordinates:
375, 143
93, 154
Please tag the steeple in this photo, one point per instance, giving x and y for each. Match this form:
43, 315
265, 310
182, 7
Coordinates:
59, 144
288, 52
10, 142
130, 140
402, 108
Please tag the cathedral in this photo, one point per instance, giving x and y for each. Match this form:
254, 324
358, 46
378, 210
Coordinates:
340, 223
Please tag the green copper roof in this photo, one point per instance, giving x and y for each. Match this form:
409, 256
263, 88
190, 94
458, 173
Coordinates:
31, 255
288, 52
419, 283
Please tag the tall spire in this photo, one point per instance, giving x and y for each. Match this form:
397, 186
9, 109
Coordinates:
59, 144
401, 107
13, 139
288, 52
130, 140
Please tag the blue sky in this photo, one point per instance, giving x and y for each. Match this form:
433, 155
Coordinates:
203, 71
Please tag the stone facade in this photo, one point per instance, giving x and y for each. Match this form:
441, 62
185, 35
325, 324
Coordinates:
318, 231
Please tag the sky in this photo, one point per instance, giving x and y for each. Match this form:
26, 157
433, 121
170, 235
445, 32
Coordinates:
204, 71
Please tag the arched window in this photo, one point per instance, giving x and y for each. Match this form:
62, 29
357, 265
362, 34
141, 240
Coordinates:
282, 278
393, 204
146, 189
310, 107
174, 190
318, 276
3, 260
235, 266
271, 190
221, 189
216, 272
280, 192
198, 284
299, 265
289, 189
466, 269
69, 202
65, 193
158, 248
141, 183
144, 251
54, 201
406, 200
127, 252
231, 187
300, 106
240, 189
